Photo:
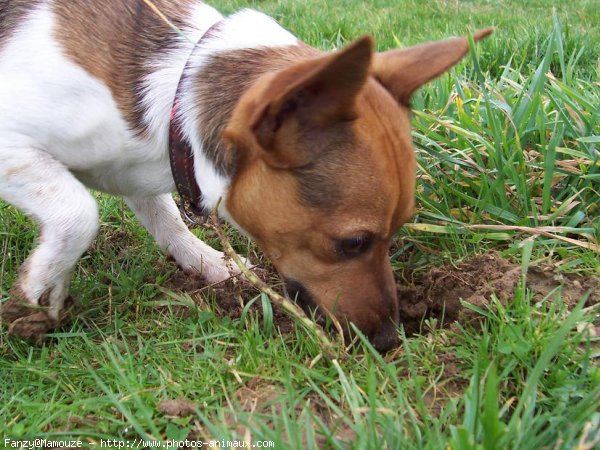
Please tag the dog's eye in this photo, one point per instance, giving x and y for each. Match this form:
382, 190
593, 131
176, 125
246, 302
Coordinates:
354, 246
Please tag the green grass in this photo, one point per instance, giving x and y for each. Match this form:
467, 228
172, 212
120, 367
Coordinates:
510, 137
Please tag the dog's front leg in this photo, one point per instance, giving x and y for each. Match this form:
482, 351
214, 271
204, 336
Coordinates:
162, 219
67, 214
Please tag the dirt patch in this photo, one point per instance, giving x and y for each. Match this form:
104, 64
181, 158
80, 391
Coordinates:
259, 401
231, 296
31, 323
434, 294
180, 281
572, 287
438, 293
180, 407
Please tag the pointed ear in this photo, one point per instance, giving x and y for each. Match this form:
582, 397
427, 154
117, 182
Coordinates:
310, 94
403, 71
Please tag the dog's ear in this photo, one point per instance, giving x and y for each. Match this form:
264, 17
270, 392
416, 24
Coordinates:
403, 71
308, 96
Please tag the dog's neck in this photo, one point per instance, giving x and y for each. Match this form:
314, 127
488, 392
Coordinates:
227, 60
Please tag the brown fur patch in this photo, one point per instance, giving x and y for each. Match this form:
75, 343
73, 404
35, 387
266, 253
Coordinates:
13, 13
224, 79
319, 184
115, 40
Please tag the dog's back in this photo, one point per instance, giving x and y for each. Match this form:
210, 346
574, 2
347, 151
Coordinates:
113, 41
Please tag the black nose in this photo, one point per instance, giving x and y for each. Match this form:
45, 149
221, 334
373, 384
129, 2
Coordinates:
386, 338
298, 293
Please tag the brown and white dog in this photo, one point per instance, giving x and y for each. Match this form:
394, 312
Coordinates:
310, 153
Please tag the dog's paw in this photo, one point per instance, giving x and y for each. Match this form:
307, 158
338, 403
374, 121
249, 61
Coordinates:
215, 267
199, 258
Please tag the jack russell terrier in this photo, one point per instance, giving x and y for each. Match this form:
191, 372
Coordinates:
310, 152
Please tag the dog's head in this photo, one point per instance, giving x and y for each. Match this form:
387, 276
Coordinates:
326, 174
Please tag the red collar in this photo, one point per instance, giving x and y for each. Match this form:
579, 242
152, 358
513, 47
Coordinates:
180, 149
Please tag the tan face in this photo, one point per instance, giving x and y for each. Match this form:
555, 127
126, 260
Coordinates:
326, 177
329, 238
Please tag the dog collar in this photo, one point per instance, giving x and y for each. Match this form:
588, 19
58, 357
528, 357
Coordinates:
180, 149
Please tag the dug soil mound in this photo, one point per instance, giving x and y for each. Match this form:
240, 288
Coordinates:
231, 296
438, 293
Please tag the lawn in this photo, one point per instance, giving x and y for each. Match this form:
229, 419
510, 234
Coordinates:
497, 275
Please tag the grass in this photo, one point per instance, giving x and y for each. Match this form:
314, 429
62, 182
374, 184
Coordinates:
509, 138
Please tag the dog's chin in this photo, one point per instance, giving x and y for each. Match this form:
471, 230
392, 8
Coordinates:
303, 298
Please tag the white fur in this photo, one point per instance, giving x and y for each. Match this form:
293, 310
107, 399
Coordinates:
38, 113
42, 187
248, 29
60, 128
55, 105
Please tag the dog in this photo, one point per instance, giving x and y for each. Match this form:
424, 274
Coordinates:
308, 153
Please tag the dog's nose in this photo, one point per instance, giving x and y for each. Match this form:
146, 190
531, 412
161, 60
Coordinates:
386, 338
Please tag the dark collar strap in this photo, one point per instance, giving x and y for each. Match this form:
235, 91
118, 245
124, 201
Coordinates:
180, 149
